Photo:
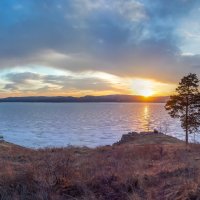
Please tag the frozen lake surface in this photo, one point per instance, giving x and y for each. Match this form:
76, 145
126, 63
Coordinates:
84, 124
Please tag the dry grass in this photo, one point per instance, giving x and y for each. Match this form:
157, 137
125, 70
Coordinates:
119, 172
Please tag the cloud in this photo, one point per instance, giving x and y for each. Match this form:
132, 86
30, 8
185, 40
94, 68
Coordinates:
11, 87
125, 38
35, 83
22, 78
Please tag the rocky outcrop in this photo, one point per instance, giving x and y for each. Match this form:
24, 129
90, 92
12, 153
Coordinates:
154, 137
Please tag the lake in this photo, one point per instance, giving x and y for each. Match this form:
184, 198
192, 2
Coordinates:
84, 124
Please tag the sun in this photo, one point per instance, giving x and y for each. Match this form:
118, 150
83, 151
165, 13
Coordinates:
142, 87
146, 92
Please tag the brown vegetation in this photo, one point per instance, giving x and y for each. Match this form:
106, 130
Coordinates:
126, 171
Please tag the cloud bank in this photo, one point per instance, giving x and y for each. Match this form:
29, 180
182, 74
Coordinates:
124, 39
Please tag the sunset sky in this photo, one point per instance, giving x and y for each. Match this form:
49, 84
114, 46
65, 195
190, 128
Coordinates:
97, 47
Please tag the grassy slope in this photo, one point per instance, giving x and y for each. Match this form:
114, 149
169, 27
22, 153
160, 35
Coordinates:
143, 167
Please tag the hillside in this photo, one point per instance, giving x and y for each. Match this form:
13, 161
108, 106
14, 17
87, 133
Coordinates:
140, 166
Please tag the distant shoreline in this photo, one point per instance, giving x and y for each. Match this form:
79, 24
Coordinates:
87, 99
110, 102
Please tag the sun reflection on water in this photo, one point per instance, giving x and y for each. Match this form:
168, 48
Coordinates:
146, 111
147, 121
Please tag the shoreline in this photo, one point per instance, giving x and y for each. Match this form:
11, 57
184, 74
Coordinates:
136, 138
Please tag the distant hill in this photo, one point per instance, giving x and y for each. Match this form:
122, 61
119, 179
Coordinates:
106, 98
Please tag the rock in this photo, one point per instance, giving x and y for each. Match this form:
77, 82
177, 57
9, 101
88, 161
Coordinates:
127, 137
155, 131
153, 137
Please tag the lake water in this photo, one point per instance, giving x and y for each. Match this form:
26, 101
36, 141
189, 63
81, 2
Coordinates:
90, 124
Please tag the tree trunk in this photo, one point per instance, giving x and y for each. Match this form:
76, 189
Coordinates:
186, 128
186, 136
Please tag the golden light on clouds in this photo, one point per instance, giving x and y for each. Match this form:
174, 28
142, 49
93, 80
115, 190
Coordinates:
47, 81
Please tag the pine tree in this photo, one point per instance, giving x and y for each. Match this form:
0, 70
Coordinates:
185, 105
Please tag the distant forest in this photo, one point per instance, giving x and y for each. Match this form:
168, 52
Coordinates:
107, 98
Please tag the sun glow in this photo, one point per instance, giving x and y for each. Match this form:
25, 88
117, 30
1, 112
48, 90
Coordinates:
143, 87
146, 92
